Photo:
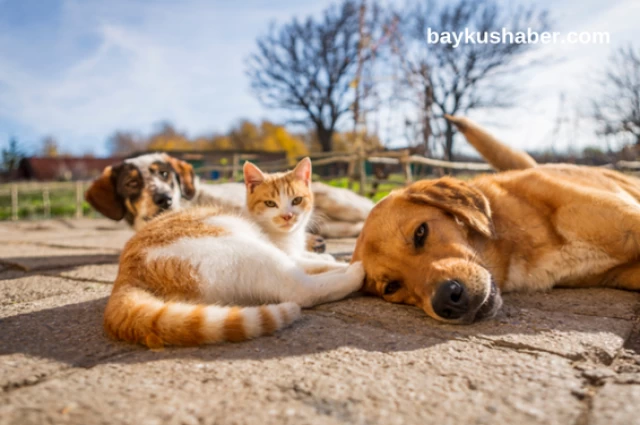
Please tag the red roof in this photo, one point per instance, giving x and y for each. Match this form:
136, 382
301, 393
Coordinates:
63, 168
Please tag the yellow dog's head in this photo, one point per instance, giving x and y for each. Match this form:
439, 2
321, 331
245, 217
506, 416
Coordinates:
416, 249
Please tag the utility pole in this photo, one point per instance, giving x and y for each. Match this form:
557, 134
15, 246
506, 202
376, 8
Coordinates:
366, 54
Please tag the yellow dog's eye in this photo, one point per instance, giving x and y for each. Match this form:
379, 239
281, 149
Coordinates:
420, 235
296, 200
392, 287
270, 204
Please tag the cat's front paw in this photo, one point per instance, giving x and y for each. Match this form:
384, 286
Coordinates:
316, 243
355, 274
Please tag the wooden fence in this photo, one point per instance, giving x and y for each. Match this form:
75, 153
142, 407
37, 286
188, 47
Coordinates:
44, 190
356, 166
356, 172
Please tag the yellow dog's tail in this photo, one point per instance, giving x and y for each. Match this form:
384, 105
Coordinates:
135, 315
497, 154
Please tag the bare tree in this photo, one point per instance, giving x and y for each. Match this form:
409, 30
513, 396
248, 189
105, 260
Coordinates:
308, 67
124, 143
617, 105
445, 78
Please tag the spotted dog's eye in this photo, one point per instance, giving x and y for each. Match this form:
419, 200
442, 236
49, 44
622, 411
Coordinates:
392, 287
164, 174
270, 204
420, 235
296, 200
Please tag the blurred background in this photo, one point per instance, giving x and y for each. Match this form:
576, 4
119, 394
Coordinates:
85, 83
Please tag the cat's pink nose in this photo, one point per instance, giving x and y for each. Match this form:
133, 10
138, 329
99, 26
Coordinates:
287, 216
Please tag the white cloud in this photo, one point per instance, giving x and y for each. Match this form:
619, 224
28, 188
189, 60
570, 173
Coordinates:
182, 62
127, 65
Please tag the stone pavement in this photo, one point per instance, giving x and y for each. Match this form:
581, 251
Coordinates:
565, 357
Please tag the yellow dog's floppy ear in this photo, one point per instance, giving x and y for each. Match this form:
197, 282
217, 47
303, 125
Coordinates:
103, 197
464, 202
186, 176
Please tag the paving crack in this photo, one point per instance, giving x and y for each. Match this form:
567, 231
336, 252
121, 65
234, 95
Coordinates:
76, 279
526, 348
63, 246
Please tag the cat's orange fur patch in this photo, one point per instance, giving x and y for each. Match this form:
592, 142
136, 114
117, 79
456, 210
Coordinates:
234, 326
154, 302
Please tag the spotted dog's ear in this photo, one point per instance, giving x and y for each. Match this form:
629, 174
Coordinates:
186, 177
102, 195
464, 202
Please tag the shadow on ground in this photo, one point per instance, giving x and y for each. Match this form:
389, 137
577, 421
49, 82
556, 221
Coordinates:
73, 334
40, 263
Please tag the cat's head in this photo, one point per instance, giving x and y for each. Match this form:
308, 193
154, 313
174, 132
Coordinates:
280, 202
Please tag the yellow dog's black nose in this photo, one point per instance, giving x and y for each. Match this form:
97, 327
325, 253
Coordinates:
451, 300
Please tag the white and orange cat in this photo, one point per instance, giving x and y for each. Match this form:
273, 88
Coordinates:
202, 275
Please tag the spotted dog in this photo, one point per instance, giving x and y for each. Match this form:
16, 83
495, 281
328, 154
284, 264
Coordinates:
141, 188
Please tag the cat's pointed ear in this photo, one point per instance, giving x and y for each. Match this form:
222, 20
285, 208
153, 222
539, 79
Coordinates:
303, 170
252, 175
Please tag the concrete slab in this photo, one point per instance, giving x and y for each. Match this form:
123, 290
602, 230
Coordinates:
323, 370
20, 290
599, 302
105, 273
569, 335
567, 356
46, 336
29, 257
616, 404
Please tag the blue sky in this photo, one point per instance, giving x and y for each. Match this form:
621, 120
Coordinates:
81, 69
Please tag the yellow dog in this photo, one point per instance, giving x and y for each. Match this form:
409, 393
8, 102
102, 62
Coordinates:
450, 247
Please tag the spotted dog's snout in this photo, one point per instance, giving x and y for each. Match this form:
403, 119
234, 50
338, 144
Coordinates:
163, 200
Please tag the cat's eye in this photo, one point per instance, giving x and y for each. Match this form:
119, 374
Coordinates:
392, 287
297, 200
270, 204
420, 235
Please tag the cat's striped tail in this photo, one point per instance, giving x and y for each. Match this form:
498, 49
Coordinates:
135, 315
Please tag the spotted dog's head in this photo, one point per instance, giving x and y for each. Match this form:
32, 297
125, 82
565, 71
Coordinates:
415, 248
140, 188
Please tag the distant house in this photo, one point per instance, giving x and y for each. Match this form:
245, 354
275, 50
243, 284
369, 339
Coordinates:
203, 159
62, 168
67, 168
222, 157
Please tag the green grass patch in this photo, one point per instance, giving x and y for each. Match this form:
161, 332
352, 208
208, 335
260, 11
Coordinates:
31, 205
382, 190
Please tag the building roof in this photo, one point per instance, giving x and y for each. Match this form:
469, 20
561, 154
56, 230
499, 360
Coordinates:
63, 168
